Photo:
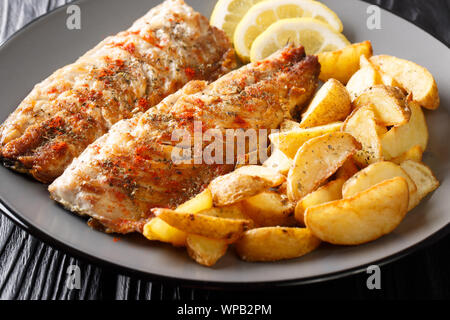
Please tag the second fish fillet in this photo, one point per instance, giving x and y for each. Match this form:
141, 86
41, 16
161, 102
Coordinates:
123, 175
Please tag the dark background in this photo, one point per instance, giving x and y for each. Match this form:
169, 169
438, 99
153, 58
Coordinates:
30, 269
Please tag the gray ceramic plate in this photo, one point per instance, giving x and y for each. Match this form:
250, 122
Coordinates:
45, 45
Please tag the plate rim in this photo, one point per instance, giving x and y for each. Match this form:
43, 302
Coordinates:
48, 239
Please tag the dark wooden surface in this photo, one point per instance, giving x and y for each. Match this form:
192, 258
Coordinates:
30, 269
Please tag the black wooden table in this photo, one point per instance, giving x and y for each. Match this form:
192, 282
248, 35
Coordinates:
30, 269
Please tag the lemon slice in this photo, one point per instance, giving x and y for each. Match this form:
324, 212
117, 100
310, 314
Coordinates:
313, 34
227, 14
263, 14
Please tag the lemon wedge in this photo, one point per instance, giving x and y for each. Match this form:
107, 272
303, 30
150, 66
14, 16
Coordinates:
265, 13
227, 14
313, 34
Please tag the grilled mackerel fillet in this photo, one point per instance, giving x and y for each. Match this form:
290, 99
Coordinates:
119, 178
122, 76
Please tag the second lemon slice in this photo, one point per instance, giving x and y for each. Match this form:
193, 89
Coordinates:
265, 13
313, 34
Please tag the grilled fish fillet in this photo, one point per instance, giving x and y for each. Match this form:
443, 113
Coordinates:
119, 178
122, 76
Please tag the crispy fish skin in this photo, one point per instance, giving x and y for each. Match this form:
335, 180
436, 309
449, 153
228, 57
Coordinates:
123, 75
119, 178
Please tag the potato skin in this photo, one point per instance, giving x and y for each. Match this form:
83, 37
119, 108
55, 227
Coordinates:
399, 140
205, 251
374, 174
317, 160
331, 103
423, 177
290, 141
388, 103
275, 243
412, 77
270, 209
243, 183
330, 192
204, 225
342, 64
365, 217
362, 125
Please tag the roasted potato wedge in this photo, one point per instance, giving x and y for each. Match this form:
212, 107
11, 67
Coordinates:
388, 104
376, 173
317, 160
330, 192
361, 125
363, 218
415, 153
158, 230
275, 243
243, 183
279, 162
204, 225
399, 140
289, 142
342, 64
423, 177
270, 209
205, 251
412, 78
363, 79
200, 202
330, 104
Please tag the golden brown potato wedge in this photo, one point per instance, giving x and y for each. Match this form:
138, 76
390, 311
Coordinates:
415, 153
269, 209
204, 225
342, 64
279, 162
423, 177
363, 218
205, 251
243, 183
158, 230
330, 192
363, 79
330, 104
412, 78
275, 243
289, 142
361, 125
200, 202
388, 104
376, 173
401, 139
317, 160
